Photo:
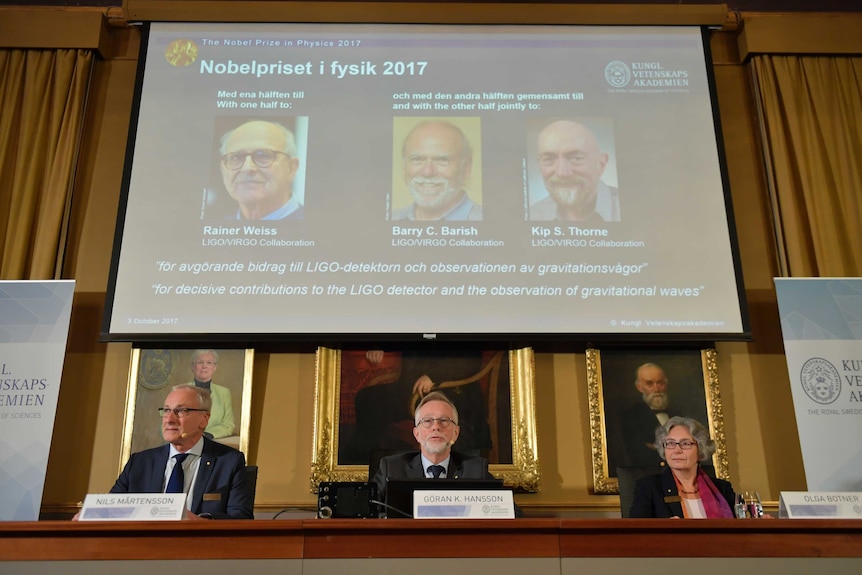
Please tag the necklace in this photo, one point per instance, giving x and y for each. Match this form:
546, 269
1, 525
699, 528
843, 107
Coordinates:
696, 490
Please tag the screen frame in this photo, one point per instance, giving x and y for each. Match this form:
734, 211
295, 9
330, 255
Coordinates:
513, 339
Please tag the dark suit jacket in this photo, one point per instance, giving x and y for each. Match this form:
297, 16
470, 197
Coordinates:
638, 427
408, 465
221, 477
651, 491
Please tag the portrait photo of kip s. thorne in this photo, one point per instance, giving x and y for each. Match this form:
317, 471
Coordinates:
259, 167
572, 171
437, 169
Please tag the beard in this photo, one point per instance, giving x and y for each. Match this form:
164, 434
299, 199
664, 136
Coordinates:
575, 193
656, 400
442, 198
435, 447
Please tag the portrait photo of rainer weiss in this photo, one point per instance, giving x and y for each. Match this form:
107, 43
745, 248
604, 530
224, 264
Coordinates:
437, 173
261, 169
572, 176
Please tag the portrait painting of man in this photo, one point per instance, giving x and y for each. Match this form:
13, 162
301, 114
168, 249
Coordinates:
640, 391
380, 389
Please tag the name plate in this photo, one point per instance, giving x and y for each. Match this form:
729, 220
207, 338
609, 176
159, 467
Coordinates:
463, 504
133, 507
820, 505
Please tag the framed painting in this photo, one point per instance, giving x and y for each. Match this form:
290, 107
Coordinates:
364, 403
633, 391
154, 372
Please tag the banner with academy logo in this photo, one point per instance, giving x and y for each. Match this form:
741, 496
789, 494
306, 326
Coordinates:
34, 326
821, 320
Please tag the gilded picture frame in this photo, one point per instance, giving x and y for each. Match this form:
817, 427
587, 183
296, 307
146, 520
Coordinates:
152, 375
614, 401
341, 375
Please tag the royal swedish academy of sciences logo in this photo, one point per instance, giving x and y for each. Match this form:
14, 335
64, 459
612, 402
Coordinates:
181, 52
618, 74
820, 380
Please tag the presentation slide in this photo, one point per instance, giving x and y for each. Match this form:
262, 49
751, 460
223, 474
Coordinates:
422, 182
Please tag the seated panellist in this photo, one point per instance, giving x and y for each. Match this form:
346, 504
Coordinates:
436, 430
683, 489
212, 475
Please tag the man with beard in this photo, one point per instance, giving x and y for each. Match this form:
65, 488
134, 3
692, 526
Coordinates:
436, 430
258, 166
572, 165
639, 421
383, 407
437, 160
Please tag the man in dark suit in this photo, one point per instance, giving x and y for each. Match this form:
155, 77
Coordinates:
213, 475
641, 419
378, 407
436, 431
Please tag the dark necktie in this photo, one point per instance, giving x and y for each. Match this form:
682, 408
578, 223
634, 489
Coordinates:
436, 470
176, 482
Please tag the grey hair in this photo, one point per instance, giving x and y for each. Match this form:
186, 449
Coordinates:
200, 352
705, 445
647, 364
289, 138
435, 396
466, 149
205, 400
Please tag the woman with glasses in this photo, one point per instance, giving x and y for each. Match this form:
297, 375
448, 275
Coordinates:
683, 489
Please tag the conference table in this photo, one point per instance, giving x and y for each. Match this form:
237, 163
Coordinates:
416, 547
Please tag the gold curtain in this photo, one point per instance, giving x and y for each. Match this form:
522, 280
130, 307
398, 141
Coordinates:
811, 110
42, 99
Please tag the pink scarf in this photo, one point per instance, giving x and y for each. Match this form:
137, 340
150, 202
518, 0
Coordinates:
714, 503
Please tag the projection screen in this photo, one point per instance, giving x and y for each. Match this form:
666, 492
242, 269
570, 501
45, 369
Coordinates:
417, 181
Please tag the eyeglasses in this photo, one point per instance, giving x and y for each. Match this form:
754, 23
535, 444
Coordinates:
206, 363
684, 444
443, 422
261, 158
178, 411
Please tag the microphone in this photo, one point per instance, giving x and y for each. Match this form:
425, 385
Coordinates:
391, 508
183, 435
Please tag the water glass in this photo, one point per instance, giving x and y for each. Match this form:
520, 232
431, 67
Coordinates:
748, 505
